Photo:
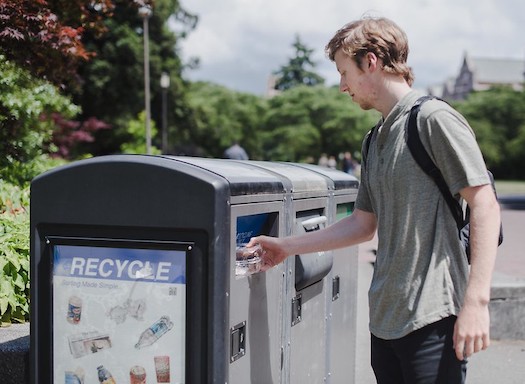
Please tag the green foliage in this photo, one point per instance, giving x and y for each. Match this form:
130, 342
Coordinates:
221, 116
113, 81
498, 118
297, 72
137, 136
14, 238
14, 253
297, 125
290, 134
26, 105
21, 173
304, 122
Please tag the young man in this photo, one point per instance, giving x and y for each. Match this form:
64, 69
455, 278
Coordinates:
428, 309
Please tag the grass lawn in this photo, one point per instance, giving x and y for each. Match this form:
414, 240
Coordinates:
510, 187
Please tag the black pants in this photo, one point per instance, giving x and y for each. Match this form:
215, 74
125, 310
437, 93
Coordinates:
425, 356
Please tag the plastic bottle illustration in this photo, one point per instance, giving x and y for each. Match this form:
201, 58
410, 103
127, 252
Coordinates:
104, 376
153, 333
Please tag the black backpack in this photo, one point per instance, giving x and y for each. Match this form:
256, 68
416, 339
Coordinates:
422, 158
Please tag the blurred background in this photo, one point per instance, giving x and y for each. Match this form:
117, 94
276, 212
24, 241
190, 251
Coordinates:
90, 78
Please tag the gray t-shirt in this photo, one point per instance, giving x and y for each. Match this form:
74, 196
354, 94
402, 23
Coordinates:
420, 274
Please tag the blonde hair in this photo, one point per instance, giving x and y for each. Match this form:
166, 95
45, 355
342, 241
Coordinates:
380, 36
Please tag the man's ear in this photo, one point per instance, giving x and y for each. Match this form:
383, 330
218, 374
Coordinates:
371, 61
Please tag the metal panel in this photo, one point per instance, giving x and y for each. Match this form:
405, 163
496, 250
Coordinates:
308, 337
343, 315
258, 301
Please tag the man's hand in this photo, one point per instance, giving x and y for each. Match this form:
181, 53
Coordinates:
471, 331
273, 252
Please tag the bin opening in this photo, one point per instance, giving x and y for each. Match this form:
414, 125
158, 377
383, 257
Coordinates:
254, 225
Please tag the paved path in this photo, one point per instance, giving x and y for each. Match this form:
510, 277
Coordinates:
504, 361
510, 263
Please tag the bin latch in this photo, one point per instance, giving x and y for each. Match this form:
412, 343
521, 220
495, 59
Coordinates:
237, 341
297, 309
336, 284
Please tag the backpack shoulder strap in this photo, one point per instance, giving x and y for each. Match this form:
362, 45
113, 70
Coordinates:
425, 162
368, 140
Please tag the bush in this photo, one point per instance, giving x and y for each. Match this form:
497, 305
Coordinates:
21, 173
14, 253
26, 106
14, 236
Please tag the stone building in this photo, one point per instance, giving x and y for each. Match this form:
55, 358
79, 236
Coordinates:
480, 74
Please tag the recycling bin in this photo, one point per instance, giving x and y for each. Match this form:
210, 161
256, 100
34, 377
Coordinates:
341, 310
323, 285
133, 272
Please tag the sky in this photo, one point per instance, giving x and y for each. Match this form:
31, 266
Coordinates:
240, 43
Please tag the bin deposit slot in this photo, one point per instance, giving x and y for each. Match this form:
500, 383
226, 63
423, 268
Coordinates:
237, 341
312, 267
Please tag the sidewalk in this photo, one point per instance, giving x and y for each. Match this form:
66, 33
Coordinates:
504, 361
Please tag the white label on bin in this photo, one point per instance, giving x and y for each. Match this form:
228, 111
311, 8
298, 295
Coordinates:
108, 300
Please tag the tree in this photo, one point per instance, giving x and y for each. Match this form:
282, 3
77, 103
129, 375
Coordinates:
26, 105
289, 133
69, 133
304, 122
296, 125
137, 144
113, 81
45, 36
498, 118
93, 51
297, 71
220, 117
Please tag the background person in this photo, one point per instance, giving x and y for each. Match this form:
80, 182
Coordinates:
348, 163
235, 152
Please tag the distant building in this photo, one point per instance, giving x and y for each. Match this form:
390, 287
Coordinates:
270, 87
480, 74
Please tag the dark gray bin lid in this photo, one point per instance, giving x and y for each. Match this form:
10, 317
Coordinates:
340, 179
243, 177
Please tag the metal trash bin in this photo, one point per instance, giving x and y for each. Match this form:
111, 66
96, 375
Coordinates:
321, 341
133, 270
342, 309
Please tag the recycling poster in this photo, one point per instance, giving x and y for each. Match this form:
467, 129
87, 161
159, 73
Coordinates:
119, 315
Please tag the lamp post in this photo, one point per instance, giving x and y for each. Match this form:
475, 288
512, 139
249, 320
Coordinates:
145, 13
164, 84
